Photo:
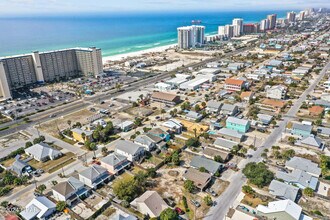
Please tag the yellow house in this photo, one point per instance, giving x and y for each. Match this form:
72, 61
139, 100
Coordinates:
77, 134
191, 126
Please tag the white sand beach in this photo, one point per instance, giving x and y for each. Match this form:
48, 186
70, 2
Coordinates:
137, 53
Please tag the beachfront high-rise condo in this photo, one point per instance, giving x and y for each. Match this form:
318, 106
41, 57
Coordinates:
238, 27
264, 25
17, 72
272, 21
291, 16
191, 36
301, 15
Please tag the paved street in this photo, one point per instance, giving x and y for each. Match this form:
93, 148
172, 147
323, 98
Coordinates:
225, 201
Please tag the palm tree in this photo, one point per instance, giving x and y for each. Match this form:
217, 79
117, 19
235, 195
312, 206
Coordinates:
69, 123
118, 86
83, 136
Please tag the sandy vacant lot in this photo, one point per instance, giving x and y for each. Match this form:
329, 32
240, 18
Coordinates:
51, 127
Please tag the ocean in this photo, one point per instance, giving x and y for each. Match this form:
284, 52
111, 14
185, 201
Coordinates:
113, 33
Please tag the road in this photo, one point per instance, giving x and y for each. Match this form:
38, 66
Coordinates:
226, 199
81, 104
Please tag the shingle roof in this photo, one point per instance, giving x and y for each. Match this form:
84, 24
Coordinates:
18, 166
64, 188
304, 164
153, 201
312, 141
274, 103
210, 165
113, 159
200, 179
213, 104
283, 190
298, 176
228, 107
93, 172
287, 206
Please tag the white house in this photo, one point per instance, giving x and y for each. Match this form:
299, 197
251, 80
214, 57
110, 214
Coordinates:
276, 92
94, 176
132, 151
43, 152
40, 207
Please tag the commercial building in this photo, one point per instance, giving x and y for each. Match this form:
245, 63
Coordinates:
234, 84
190, 36
166, 98
238, 26
272, 21
21, 71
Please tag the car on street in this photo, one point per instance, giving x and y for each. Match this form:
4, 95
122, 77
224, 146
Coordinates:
179, 211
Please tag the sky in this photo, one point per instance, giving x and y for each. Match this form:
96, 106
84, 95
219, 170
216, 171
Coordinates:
31, 7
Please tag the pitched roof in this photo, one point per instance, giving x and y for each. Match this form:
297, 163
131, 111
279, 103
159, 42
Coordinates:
200, 179
283, 190
128, 147
312, 141
246, 94
212, 152
113, 159
323, 130
93, 172
298, 176
39, 207
287, 206
228, 107
316, 109
232, 81
273, 103
302, 127
213, 104
304, 164
201, 161
18, 166
225, 143
231, 133
153, 201
235, 120
64, 188
164, 96
42, 150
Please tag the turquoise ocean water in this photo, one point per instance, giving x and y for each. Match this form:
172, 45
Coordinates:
114, 33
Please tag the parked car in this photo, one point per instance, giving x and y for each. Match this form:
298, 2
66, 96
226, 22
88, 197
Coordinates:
211, 191
179, 211
195, 203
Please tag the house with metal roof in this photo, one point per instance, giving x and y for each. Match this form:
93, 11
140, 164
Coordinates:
300, 178
303, 164
311, 141
213, 107
283, 191
211, 152
323, 131
69, 191
149, 203
276, 92
148, 141
39, 208
126, 126
132, 151
236, 124
283, 209
210, 165
195, 116
94, 176
173, 125
302, 130
264, 118
43, 152
224, 144
115, 163
19, 167
228, 109
230, 134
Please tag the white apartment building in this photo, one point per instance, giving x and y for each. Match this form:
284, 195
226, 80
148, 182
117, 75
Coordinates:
24, 70
238, 26
272, 21
264, 25
190, 36
291, 16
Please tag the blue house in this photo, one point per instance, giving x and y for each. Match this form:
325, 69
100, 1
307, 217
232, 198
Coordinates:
237, 124
302, 130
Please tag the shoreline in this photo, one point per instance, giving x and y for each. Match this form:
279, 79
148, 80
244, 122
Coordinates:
119, 57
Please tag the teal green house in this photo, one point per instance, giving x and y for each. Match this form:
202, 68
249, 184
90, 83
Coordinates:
302, 130
237, 124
